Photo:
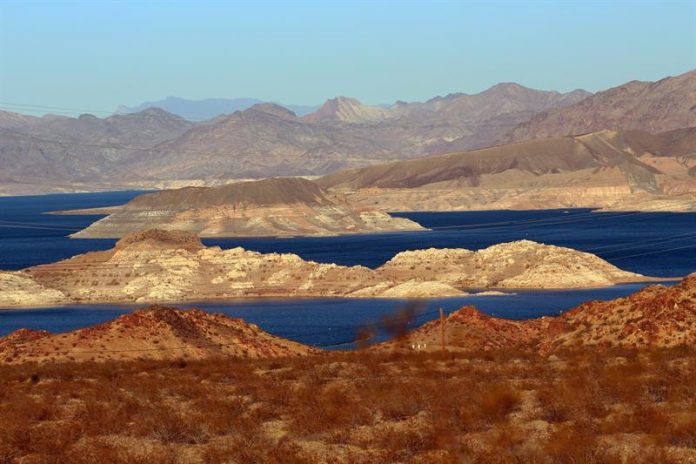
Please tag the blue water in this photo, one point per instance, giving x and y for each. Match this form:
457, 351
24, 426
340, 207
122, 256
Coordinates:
658, 244
328, 323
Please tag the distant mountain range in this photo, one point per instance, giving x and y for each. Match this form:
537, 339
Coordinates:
143, 149
200, 110
667, 104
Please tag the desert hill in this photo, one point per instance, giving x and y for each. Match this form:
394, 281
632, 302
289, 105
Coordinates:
153, 333
602, 169
157, 266
661, 106
508, 405
656, 316
269, 207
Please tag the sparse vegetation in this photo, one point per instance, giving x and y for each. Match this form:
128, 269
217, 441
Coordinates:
503, 406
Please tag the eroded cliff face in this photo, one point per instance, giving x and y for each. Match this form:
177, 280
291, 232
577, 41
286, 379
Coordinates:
18, 289
271, 207
157, 266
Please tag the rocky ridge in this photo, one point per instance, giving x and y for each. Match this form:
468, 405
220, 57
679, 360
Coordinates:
157, 266
656, 316
665, 105
520, 264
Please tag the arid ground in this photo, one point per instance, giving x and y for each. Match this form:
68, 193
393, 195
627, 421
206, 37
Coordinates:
590, 406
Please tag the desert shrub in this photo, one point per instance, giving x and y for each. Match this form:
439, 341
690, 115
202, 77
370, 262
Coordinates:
365, 406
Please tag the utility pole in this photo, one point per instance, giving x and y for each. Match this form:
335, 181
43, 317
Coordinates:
442, 330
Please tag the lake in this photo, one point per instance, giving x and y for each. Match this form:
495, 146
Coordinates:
659, 244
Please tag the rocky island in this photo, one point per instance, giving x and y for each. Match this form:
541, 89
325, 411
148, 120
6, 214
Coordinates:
268, 207
160, 266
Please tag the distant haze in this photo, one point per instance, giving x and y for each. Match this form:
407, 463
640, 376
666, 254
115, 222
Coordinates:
200, 110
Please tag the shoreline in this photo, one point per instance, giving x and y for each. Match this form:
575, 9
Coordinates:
477, 292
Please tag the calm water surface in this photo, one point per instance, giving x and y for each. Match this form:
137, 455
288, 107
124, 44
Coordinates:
659, 244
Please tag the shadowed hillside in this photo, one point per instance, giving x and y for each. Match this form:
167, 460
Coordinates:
667, 104
602, 169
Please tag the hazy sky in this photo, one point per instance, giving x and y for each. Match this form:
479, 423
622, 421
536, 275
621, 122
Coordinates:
95, 55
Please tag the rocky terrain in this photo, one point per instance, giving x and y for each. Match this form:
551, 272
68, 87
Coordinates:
157, 266
152, 333
270, 207
656, 316
508, 405
608, 169
520, 264
665, 105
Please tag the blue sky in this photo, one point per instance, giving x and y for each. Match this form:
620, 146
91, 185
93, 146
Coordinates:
95, 55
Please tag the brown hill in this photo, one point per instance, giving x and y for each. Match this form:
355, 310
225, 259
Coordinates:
667, 104
656, 316
153, 333
269, 207
596, 170
275, 191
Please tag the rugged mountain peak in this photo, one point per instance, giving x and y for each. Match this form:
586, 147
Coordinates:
346, 109
153, 111
508, 87
274, 109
